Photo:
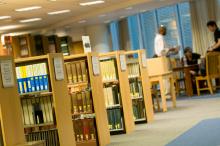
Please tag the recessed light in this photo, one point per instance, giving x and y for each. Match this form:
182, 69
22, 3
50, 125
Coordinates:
30, 20
8, 27
28, 8
4, 17
58, 12
92, 3
52, 0
129, 8
82, 21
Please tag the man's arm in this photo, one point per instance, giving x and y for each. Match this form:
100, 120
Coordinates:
215, 46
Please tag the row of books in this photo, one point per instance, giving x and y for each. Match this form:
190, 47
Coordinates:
136, 90
115, 119
50, 137
133, 70
76, 72
23, 46
37, 110
108, 68
139, 109
111, 95
84, 129
32, 78
81, 102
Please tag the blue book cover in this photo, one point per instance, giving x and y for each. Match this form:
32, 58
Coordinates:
32, 84
41, 82
46, 85
37, 84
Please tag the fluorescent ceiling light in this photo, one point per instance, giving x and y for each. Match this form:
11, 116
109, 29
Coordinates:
92, 3
8, 27
30, 20
58, 12
28, 8
4, 17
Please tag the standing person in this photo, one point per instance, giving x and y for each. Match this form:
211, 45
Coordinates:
160, 45
162, 49
212, 26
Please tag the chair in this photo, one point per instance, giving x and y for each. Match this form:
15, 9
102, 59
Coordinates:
212, 72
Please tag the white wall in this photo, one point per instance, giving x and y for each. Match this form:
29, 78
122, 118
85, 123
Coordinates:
99, 38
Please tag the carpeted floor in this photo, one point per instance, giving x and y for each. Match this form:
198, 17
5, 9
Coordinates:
168, 126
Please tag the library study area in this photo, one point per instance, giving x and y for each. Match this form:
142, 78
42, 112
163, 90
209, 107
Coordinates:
109, 72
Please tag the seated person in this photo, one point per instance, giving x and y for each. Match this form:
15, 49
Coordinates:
191, 59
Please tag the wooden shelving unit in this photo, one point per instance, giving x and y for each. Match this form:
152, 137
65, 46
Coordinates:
53, 44
10, 109
44, 99
22, 46
140, 88
117, 93
87, 101
66, 45
40, 45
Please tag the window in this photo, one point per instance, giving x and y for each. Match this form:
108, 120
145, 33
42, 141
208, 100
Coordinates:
113, 26
142, 27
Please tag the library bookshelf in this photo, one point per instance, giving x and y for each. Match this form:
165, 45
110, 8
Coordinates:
10, 109
22, 46
87, 102
116, 92
140, 87
44, 99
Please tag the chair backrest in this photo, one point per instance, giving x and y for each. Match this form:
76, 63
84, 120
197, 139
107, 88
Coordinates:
213, 64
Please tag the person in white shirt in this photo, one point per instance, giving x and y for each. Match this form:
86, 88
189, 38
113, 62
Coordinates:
160, 45
162, 49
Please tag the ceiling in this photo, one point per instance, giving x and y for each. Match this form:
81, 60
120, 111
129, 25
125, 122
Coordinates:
77, 17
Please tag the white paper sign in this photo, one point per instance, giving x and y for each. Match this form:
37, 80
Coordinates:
58, 66
95, 65
7, 73
123, 62
144, 60
86, 44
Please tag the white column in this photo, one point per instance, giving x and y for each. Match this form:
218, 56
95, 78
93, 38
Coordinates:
99, 38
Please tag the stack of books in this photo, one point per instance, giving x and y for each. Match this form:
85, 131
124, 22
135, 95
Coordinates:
108, 68
32, 78
115, 119
76, 72
133, 70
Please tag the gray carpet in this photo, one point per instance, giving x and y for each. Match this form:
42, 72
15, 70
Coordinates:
170, 125
206, 133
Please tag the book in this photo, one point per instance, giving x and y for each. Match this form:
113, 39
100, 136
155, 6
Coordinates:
85, 129
92, 132
84, 71
79, 72
84, 104
19, 80
36, 77
69, 72
74, 73
89, 104
79, 102
74, 103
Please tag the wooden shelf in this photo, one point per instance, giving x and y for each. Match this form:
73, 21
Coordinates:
36, 94
145, 82
82, 113
38, 125
123, 88
81, 84
140, 120
114, 106
87, 143
111, 81
117, 130
136, 97
135, 77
